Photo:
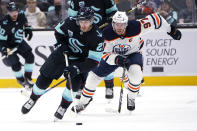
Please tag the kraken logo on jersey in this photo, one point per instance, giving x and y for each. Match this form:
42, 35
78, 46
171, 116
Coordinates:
19, 36
97, 17
74, 45
121, 49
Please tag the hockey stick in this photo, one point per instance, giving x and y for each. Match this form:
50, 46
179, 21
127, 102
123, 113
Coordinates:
24, 92
121, 90
70, 84
10, 52
128, 12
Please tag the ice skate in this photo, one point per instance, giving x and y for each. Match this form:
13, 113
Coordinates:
27, 106
109, 93
25, 85
59, 114
80, 107
78, 95
130, 103
29, 83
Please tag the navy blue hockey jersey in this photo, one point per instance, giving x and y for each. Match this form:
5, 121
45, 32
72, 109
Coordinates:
11, 32
103, 9
81, 45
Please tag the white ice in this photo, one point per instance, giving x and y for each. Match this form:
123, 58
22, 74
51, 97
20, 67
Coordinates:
157, 109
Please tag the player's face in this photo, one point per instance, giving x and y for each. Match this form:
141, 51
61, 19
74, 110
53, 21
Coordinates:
119, 28
85, 25
13, 15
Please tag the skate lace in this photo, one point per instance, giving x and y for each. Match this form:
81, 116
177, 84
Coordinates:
61, 110
109, 91
79, 107
130, 102
29, 104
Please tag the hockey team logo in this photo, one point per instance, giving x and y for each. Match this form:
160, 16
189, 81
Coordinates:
70, 33
75, 45
19, 36
97, 17
121, 49
81, 4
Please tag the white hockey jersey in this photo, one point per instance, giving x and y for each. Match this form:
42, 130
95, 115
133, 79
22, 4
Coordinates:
131, 41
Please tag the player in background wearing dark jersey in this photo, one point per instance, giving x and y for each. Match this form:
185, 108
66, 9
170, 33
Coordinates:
103, 10
123, 39
12, 27
84, 44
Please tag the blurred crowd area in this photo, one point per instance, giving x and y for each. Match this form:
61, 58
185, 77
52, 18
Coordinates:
45, 14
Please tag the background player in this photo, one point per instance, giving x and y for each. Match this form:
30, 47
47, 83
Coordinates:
83, 43
123, 43
12, 27
103, 10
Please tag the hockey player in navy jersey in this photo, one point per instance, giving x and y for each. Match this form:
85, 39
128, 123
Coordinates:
103, 10
83, 43
12, 27
123, 43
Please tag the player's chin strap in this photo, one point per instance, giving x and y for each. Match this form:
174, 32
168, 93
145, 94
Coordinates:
128, 12
121, 90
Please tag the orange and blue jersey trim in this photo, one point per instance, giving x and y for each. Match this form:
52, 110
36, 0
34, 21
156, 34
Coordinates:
157, 20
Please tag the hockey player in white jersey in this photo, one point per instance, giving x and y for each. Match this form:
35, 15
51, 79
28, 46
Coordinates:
123, 43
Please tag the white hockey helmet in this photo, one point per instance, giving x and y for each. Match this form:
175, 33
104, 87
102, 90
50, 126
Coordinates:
120, 17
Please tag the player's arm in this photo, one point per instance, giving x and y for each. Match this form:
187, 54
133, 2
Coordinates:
110, 8
73, 8
3, 40
27, 27
94, 56
60, 34
155, 21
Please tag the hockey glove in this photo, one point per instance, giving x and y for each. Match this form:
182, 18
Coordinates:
175, 33
4, 51
121, 61
72, 70
28, 32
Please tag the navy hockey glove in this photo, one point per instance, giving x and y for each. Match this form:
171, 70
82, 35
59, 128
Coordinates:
4, 51
28, 32
175, 33
72, 70
121, 61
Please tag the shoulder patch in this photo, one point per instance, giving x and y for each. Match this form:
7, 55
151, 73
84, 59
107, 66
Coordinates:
109, 33
133, 28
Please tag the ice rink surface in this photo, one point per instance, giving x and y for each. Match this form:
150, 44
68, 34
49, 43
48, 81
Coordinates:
157, 109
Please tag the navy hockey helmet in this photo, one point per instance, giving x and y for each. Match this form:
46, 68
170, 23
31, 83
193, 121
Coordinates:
85, 13
12, 6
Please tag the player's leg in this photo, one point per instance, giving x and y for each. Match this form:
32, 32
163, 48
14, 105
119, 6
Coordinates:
52, 69
94, 78
13, 62
135, 77
109, 84
39, 87
67, 96
26, 52
88, 91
